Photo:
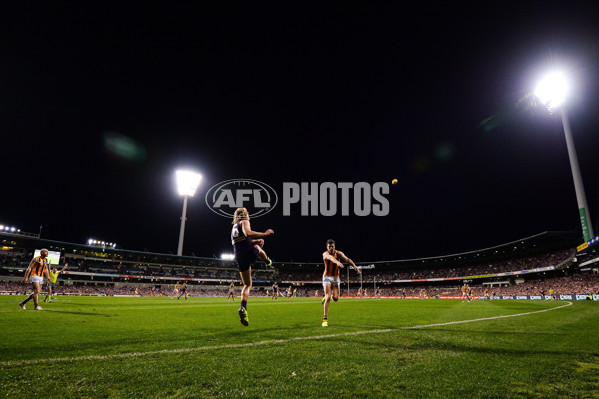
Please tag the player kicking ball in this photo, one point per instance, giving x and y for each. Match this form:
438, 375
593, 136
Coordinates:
330, 278
247, 245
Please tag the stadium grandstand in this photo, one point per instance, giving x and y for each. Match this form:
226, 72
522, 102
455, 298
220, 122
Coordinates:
543, 264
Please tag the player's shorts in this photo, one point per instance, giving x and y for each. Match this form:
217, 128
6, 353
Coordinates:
245, 258
37, 279
176, 291
51, 285
330, 280
231, 292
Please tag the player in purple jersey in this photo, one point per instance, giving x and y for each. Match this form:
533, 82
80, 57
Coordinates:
247, 245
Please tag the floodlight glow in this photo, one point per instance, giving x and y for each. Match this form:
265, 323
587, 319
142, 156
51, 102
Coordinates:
1, 227
227, 256
187, 182
12, 229
552, 90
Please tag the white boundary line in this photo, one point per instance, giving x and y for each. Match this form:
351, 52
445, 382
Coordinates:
14, 363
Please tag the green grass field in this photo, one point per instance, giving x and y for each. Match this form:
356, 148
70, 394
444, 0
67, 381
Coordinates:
81, 347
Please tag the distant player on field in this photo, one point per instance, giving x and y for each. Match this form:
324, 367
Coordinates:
330, 278
38, 268
248, 249
183, 291
275, 291
51, 285
465, 292
175, 291
231, 292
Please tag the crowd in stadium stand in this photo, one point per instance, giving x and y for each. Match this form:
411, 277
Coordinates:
425, 272
12, 259
226, 271
584, 284
206, 269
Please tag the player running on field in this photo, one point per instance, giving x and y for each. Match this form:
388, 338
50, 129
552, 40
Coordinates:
330, 278
275, 291
465, 289
248, 249
231, 292
38, 268
175, 291
183, 291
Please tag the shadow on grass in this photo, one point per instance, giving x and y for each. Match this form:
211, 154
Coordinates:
469, 332
73, 312
433, 345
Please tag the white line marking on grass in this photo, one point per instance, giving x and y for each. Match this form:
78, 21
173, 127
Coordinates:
484, 318
258, 343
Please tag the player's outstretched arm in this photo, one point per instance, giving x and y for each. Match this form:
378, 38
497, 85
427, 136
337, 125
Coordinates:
348, 260
65, 266
254, 234
327, 256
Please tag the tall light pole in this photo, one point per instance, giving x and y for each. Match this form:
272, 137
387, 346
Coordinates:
187, 183
552, 91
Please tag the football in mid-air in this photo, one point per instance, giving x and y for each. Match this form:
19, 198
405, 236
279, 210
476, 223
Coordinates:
394, 181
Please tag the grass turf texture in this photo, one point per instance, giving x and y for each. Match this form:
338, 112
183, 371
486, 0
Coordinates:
159, 348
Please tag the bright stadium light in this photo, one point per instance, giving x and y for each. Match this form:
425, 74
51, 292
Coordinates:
187, 184
552, 90
227, 256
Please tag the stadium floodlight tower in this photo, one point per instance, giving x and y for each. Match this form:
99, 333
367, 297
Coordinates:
187, 183
552, 91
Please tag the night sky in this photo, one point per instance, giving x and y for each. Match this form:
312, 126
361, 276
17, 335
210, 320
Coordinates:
437, 97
